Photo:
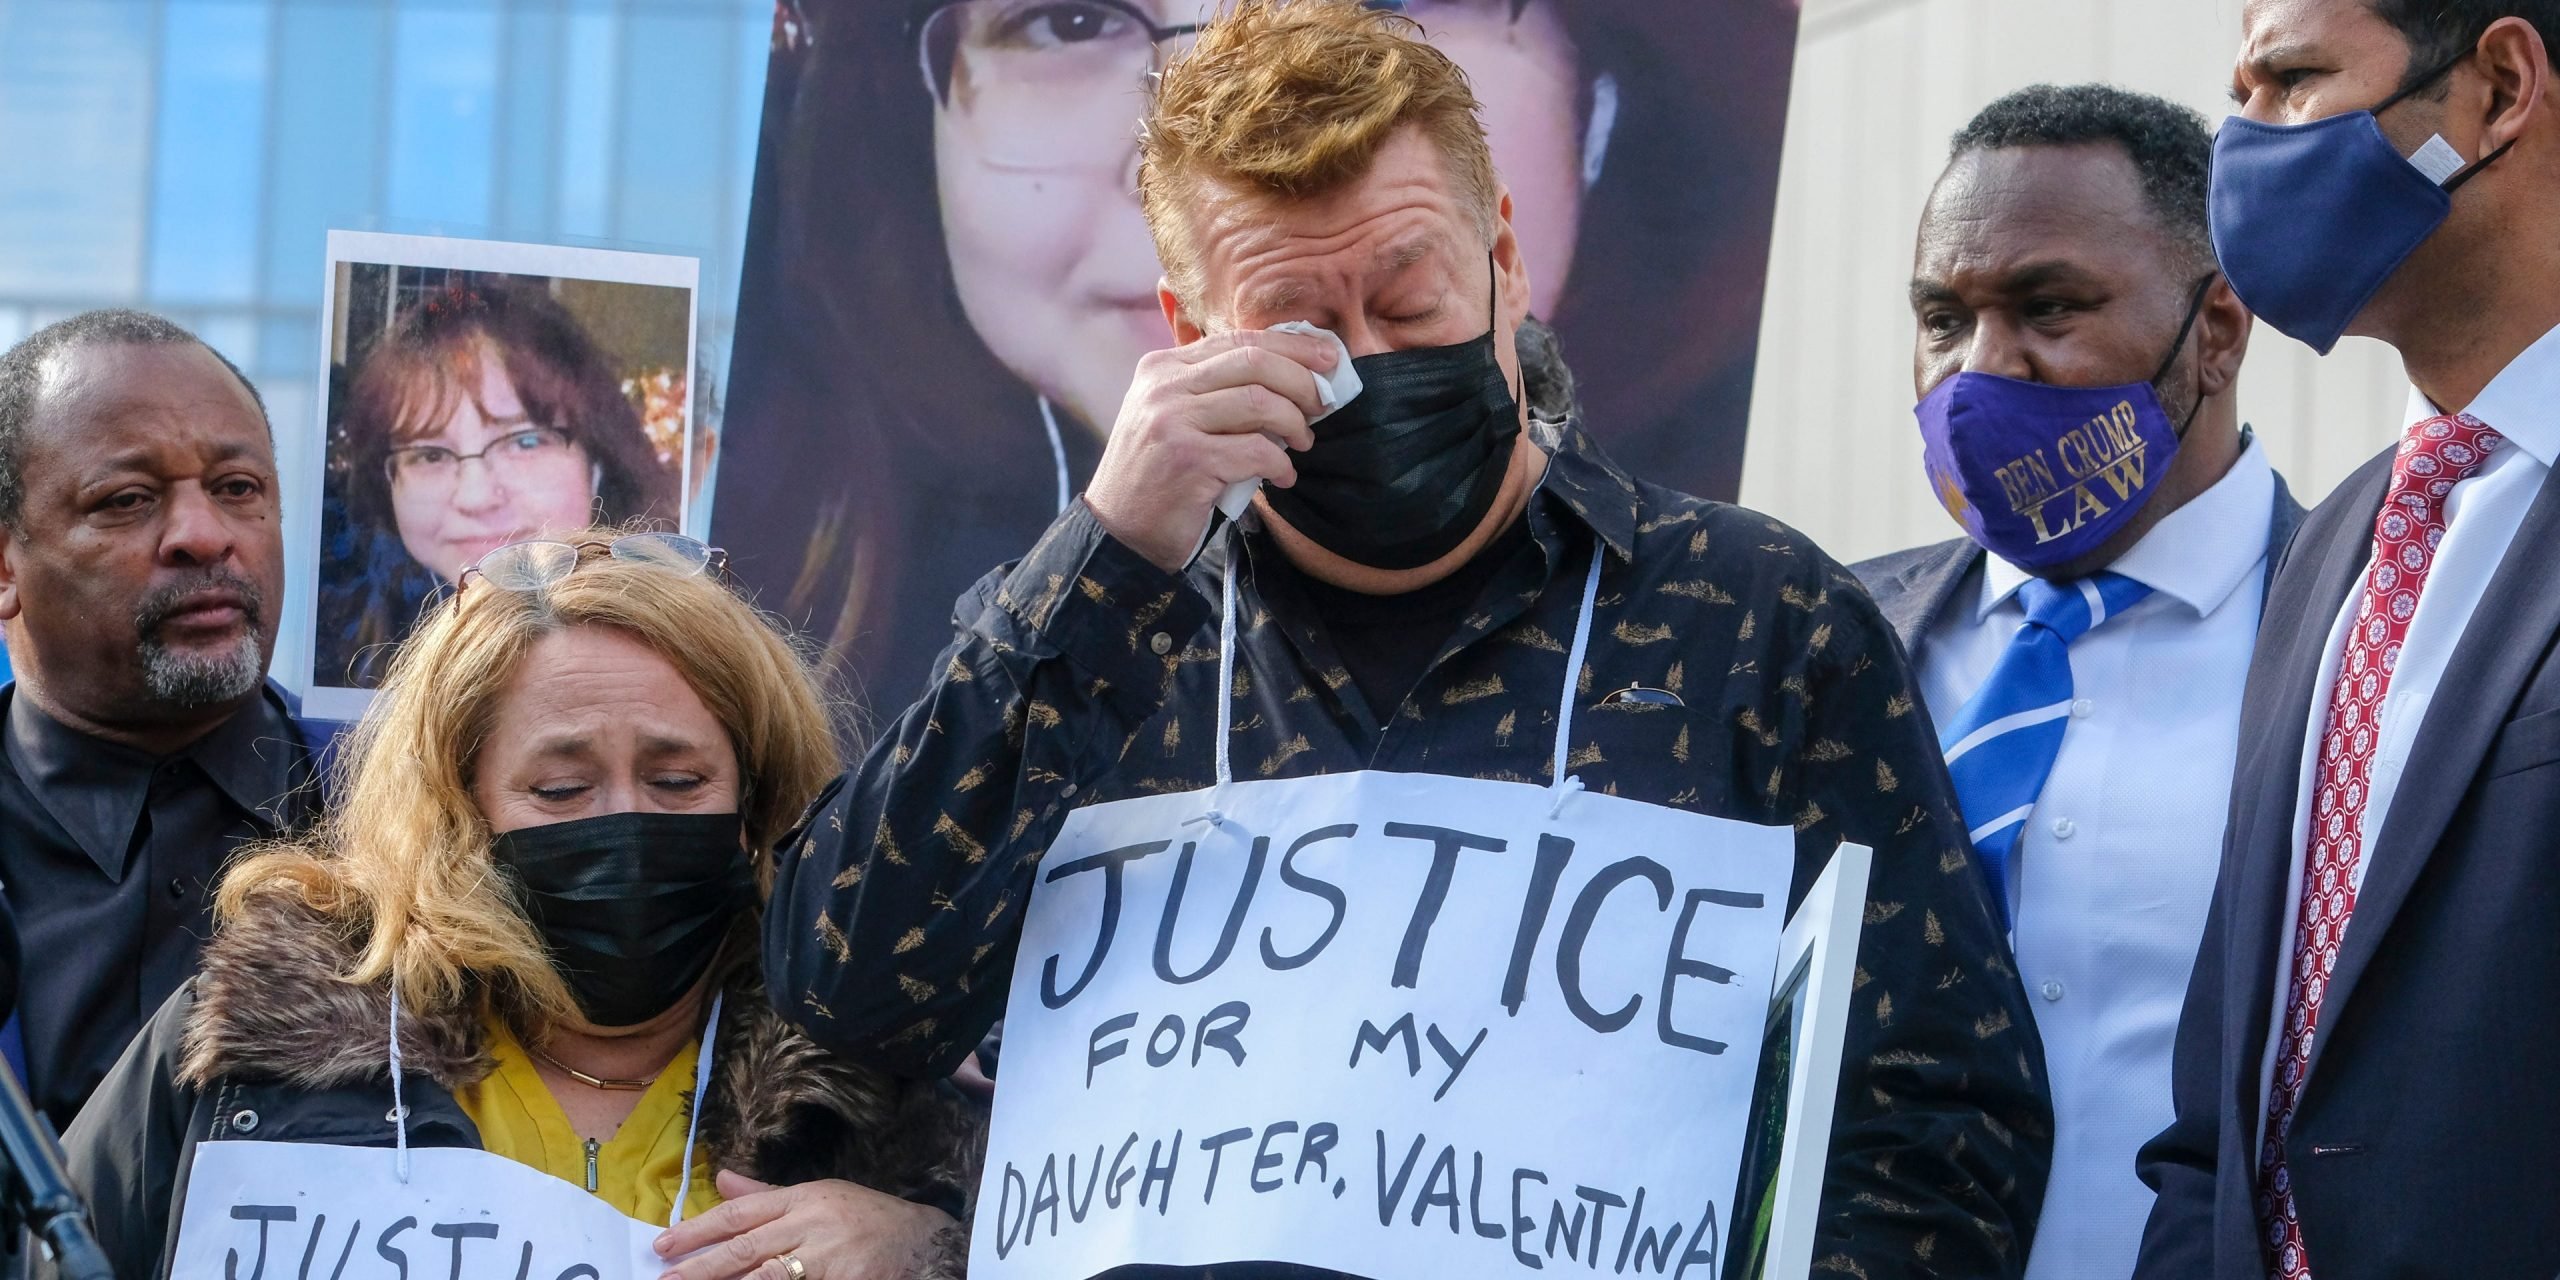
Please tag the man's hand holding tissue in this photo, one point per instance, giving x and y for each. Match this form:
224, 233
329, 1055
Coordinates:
1198, 418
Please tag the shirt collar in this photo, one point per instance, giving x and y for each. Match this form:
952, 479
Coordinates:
1587, 482
2197, 555
2517, 402
97, 789
255, 758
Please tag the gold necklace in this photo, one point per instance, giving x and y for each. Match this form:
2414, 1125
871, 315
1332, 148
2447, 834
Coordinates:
598, 1082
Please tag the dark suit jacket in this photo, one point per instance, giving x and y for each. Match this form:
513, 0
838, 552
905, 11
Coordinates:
1911, 587
2424, 1141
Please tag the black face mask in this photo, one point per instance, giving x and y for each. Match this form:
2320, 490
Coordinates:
634, 906
1406, 471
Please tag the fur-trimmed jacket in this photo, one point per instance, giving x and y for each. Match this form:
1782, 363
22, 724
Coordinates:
267, 1043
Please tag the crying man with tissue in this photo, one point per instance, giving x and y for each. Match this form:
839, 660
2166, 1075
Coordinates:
1360, 663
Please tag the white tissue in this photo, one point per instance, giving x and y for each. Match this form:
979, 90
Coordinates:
1335, 390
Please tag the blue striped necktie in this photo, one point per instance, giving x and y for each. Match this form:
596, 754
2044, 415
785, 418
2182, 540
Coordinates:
2001, 745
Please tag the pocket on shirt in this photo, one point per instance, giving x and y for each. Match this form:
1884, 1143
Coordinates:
2527, 742
1641, 747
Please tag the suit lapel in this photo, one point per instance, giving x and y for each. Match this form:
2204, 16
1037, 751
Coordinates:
1923, 587
2276, 715
2500, 648
2282, 523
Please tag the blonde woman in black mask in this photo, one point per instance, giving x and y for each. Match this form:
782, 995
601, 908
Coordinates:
544, 880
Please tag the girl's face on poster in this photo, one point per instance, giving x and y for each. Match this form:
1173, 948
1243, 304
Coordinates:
1035, 154
487, 476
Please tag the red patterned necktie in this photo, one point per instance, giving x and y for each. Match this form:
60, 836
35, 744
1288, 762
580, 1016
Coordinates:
2434, 456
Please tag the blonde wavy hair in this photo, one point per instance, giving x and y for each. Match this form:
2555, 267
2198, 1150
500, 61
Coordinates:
401, 865
1293, 99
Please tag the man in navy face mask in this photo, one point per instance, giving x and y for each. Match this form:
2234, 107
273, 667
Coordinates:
2364, 1025
2082, 650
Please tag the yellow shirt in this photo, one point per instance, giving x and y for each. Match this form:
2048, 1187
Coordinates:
636, 1171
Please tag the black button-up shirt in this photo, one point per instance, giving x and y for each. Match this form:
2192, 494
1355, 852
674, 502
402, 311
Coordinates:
108, 862
1087, 674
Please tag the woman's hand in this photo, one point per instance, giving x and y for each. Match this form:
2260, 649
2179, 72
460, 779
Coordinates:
973, 1079
838, 1231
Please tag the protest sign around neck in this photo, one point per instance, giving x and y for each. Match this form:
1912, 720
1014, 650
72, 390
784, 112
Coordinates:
313, 1211
1396, 1025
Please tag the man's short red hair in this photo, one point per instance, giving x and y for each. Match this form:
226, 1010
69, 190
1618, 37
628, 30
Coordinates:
1294, 99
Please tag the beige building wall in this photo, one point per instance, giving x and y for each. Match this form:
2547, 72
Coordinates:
1880, 85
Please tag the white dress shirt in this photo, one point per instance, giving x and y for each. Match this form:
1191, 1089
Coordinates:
2482, 515
2112, 876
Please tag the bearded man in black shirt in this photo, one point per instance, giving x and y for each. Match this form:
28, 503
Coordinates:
141, 571
1318, 162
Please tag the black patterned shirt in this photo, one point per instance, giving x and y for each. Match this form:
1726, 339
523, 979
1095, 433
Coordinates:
1087, 674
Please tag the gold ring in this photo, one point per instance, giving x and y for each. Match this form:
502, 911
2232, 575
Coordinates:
791, 1263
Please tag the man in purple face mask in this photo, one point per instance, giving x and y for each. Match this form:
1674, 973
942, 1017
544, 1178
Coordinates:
2083, 649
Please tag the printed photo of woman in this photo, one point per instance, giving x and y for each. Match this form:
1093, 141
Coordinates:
948, 283
482, 411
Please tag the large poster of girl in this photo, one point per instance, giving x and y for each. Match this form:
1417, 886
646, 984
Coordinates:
947, 282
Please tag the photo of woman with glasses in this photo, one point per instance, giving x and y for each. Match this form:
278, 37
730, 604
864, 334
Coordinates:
948, 283
477, 409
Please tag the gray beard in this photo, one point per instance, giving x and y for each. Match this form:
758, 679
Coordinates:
203, 679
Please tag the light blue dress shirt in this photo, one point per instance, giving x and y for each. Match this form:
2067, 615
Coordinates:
2114, 872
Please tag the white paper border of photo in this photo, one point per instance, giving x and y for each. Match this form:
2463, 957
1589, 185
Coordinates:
1818, 956
297, 650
